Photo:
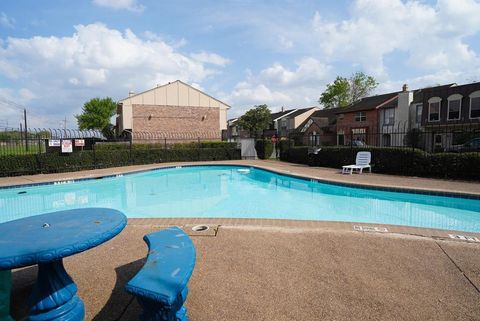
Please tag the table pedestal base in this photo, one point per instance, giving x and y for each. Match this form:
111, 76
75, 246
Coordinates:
54, 296
5, 287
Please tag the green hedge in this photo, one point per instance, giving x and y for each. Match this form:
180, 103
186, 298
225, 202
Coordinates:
109, 157
391, 160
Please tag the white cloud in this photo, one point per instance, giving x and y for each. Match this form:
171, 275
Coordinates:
6, 21
432, 36
210, 58
59, 74
130, 5
279, 86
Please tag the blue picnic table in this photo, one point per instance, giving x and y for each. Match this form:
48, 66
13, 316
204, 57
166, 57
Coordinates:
45, 240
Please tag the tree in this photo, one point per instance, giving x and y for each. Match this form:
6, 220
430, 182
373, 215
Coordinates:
343, 92
256, 119
96, 114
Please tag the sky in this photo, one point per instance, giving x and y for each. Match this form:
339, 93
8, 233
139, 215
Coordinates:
57, 55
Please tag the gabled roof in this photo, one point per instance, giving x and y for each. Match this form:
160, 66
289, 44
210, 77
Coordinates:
368, 103
300, 111
329, 113
171, 83
281, 114
391, 103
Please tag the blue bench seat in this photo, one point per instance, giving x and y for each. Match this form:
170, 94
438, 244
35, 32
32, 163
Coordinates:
161, 285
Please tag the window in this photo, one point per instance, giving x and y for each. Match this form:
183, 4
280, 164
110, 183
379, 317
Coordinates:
418, 113
389, 116
361, 116
454, 107
434, 108
475, 104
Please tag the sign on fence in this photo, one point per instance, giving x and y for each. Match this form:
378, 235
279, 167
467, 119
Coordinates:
80, 142
67, 146
54, 142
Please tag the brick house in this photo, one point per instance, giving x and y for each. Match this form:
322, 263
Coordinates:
319, 128
174, 110
360, 121
287, 122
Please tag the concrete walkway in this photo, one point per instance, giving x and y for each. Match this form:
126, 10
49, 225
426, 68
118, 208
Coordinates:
303, 272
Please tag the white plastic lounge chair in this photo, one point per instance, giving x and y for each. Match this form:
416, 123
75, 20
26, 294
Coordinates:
362, 161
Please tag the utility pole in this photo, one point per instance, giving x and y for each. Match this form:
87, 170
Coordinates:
26, 132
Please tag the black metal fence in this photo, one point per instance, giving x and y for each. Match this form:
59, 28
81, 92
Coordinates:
36, 140
43, 140
431, 139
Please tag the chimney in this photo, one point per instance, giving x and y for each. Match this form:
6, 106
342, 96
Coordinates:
282, 109
405, 88
131, 93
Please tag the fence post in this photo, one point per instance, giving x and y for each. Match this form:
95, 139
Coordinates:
130, 160
198, 149
94, 155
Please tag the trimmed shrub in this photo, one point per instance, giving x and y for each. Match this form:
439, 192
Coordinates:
264, 148
392, 160
112, 156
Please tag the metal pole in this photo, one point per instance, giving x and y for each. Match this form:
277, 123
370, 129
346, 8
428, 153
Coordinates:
26, 135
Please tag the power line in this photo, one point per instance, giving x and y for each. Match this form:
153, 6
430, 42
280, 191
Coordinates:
12, 104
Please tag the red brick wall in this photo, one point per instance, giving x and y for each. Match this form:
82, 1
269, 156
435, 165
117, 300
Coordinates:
176, 119
348, 123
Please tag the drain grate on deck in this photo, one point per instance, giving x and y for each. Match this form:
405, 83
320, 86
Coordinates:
371, 229
201, 229
464, 238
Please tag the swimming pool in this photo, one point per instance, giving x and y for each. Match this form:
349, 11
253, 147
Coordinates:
241, 192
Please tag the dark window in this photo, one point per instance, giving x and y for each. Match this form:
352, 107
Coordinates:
341, 139
454, 109
418, 115
361, 116
475, 107
389, 116
434, 111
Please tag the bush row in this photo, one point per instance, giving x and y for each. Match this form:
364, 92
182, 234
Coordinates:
89, 159
390, 160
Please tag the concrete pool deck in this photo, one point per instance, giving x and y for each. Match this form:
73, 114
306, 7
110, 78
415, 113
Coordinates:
255, 269
308, 271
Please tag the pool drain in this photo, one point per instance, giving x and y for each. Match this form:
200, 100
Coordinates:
200, 228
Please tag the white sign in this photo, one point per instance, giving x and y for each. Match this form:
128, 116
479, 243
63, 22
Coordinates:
79, 142
359, 130
67, 146
54, 142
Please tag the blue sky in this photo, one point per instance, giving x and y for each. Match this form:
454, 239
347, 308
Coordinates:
56, 55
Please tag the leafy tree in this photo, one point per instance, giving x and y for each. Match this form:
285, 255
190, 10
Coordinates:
256, 119
96, 114
342, 92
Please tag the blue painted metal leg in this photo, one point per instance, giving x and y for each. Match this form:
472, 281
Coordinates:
54, 296
5, 287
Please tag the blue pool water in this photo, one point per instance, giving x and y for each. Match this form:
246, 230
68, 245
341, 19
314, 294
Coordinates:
231, 191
